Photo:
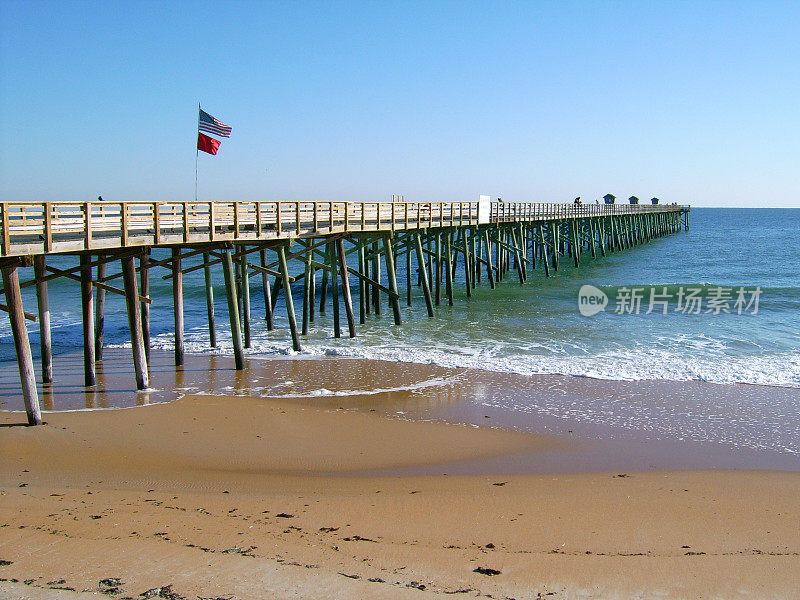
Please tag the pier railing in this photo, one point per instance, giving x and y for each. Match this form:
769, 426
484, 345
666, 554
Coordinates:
43, 227
545, 211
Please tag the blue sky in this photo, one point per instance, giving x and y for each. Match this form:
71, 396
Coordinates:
544, 101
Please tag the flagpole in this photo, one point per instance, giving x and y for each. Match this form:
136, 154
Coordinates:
196, 153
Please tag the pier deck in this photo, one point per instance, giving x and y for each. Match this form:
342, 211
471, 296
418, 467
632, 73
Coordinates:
35, 228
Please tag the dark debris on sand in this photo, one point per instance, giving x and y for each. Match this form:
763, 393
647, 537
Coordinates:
110, 586
161, 592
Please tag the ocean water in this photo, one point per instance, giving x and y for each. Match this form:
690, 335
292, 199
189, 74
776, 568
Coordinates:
742, 264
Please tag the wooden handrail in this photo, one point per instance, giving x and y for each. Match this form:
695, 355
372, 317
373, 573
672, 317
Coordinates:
59, 226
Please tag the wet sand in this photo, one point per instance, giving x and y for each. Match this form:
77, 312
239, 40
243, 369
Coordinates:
612, 425
342, 497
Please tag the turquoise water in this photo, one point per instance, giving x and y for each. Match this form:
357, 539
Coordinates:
537, 328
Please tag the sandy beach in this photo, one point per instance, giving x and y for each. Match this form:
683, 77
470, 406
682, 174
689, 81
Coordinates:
237, 497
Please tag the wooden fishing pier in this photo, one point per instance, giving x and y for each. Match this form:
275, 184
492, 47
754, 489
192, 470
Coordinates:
344, 242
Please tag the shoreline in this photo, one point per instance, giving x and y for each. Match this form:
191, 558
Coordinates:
633, 425
122, 353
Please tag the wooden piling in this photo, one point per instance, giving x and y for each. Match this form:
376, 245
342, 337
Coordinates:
498, 254
544, 251
448, 275
426, 249
233, 308
144, 307
517, 257
22, 345
100, 314
87, 310
307, 300
312, 303
467, 266
376, 276
367, 285
408, 270
323, 292
475, 254
334, 283
177, 303
489, 268
438, 270
43, 302
391, 273
262, 253
348, 298
503, 250
135, 323
287, 292
477, 244
602, 236
362, 286
209, 285
576, 245
277, 286
245, 278
426, 289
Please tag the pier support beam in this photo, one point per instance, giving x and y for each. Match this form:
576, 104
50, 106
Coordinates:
135, 323
177, 301
308, 299
376, 276
22, 345
362, 286
262, 253
438, 271
337, 328
391, 273
287, 293
448, 275
489, 268
43, 301
100, 314
87, 310
144, 307
245, 279
543, 243
323, 291
312, 287
465, 239
576, 243
423, 273
408, 269
348, 298
518, 256
212, 321
233, 308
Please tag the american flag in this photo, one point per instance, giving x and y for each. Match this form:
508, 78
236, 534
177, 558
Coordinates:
208, 123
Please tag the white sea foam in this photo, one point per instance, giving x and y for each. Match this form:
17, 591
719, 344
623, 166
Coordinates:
679, 358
